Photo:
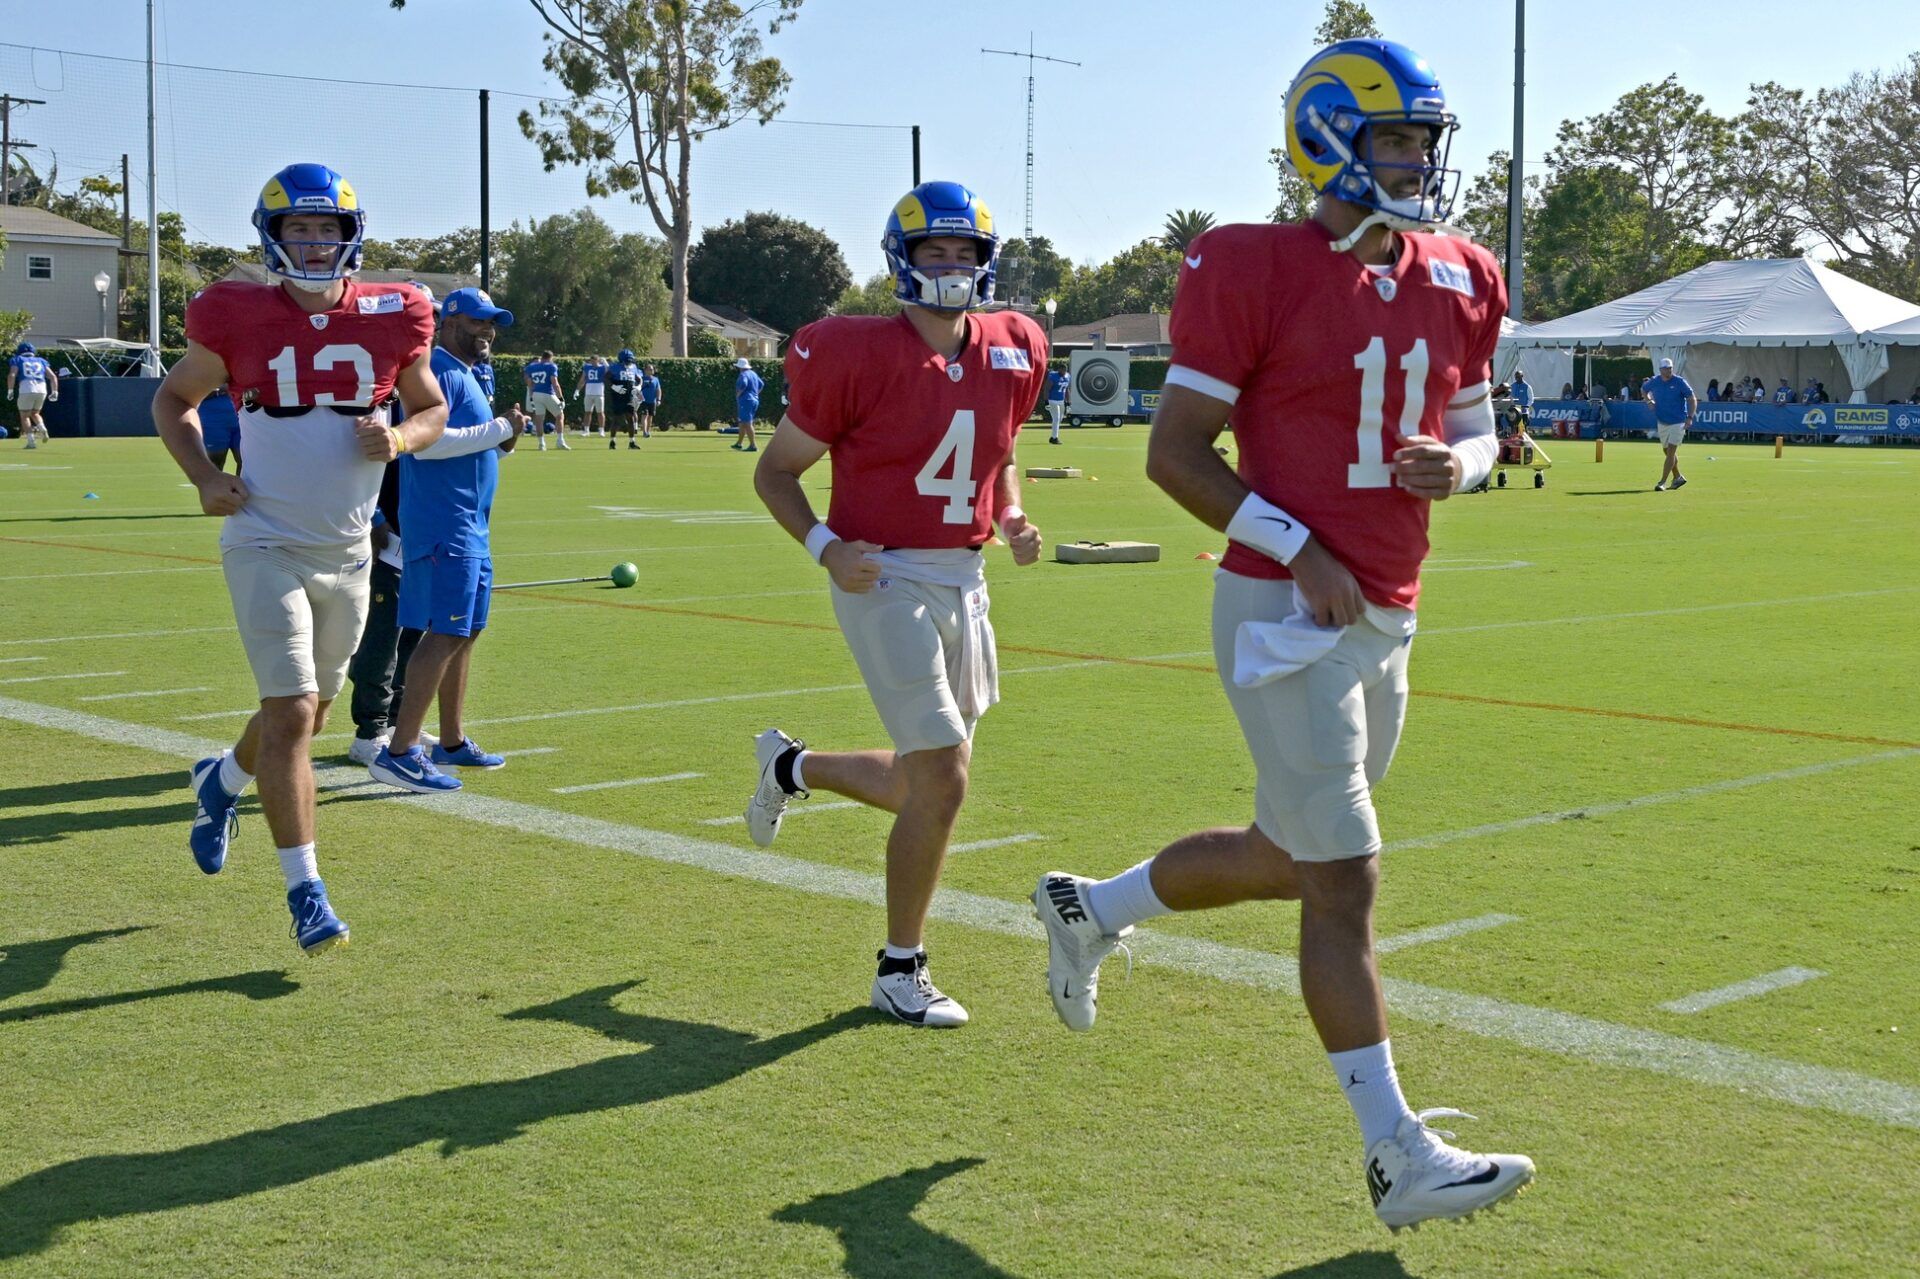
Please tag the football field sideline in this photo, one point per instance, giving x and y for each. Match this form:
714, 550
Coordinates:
1569, 1035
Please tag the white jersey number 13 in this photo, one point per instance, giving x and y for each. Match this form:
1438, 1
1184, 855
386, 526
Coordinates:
1371, 471
959, 486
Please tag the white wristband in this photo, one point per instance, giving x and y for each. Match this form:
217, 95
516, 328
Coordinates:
1266, 528
1010, 512
819, 538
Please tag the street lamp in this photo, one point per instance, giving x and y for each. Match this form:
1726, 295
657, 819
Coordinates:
1050, 308
101, 283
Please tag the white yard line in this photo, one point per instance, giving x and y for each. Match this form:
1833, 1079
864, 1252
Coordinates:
41, 679
107, 635
1668, 612
979, 845
145, 692
1441, 932
1647, 801
1761, 985
109, 572
1589, 1039
798, 810
6, 660
626, 781
204, 715
532, 750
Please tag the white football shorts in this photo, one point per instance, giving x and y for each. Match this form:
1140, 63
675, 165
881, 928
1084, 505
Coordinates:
1671, 432
29, 401
1321, 737
300, 612
595, 398
542, 402
907, 638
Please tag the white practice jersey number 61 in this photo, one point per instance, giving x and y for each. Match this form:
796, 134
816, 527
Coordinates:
287, 372
958, 486
1371, 471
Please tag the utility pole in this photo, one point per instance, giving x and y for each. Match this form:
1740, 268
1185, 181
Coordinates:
1517, 165
126, 206
8, 145
153, 213
1031, 58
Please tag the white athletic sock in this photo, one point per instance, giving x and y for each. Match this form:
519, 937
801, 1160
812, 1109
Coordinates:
1127, 898
1373, 1089
233, 778
298, 865
799, 779
902, 952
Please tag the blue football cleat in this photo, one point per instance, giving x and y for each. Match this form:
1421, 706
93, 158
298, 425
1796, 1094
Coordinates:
315, 926
410, 770
466, 755
215, 819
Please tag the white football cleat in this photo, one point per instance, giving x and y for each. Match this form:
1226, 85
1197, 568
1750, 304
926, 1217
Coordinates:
913, 998
769, 802
1414, 1176
364, 750
1075, 946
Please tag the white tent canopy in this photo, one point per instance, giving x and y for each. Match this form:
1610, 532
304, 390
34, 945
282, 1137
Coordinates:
1547, 369
1770, 317
1902, 345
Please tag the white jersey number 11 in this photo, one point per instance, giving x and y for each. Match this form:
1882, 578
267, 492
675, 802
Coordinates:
1371, 471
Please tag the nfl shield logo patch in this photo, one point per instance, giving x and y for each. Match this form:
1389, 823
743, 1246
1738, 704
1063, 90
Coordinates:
318, 321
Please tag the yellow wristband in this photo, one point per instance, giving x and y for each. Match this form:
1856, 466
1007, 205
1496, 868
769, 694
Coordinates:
399, 440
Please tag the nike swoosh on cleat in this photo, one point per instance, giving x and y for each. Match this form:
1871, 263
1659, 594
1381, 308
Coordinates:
901, 1013
1194, 263
1481, 1179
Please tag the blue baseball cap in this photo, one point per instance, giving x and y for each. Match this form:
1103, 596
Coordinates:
476, 303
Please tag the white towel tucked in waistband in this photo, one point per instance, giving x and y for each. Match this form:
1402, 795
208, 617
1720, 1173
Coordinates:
979, 684
1267, 651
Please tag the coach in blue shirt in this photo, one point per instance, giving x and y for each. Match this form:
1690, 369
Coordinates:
746, 395
446, 504
1520, 392
1674, 404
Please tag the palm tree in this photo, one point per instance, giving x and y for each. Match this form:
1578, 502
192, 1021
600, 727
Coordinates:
1183, 226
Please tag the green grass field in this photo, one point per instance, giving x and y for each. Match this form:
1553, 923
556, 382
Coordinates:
1673, 738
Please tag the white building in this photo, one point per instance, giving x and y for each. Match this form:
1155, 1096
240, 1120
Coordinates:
52, 269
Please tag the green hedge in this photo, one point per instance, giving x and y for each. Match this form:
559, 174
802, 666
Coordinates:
697, 392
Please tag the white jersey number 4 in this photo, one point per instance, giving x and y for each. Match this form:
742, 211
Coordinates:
1371, 471
287, 371
959, 486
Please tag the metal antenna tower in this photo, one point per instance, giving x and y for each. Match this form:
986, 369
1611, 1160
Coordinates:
1031, 58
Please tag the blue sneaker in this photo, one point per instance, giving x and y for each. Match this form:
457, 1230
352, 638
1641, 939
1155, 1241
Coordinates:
215, 819
315, 926
466, 755
410, 770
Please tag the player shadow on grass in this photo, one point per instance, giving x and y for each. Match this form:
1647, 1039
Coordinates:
266, 983
684, 1057
1606, 492
877, 1229
46, 828
32, 965
137, 786
1355, 1265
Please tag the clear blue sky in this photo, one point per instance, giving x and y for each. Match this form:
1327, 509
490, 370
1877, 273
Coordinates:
1175, 105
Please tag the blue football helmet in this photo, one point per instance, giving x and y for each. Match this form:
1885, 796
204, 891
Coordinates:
626, 356
929, 211
309, 188
25, 348
1356, 83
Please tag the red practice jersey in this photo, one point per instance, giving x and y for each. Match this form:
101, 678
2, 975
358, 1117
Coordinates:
1328, 365
349, 354
917, 441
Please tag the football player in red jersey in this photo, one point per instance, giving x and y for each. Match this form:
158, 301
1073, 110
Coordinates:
1352, 353
310, 358
919, 412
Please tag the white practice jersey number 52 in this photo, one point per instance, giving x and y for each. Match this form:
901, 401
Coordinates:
287, 371
957, 486
1371, 471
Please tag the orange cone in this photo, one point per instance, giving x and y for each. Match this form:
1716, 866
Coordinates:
1206, 555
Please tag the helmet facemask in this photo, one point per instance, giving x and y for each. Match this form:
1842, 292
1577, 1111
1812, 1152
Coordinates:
286, 259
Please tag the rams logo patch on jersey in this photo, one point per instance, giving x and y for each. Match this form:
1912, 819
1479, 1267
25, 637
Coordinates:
382, 303
1010, 357
1450, 275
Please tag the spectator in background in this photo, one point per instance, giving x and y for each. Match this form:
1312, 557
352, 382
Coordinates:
1566, 391
1520, 393
1626, 392
1760, 393
1713, 391
1783, 394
